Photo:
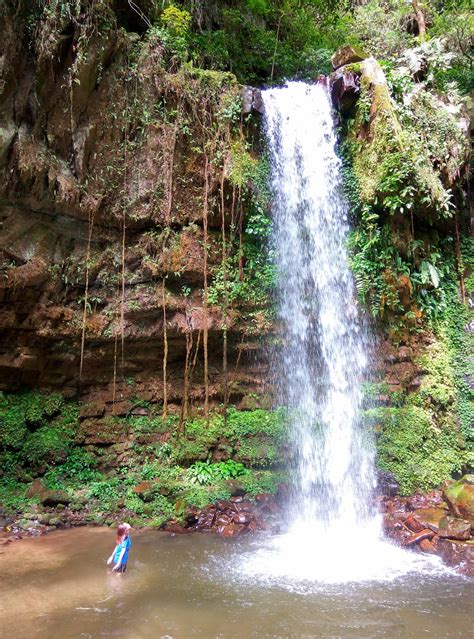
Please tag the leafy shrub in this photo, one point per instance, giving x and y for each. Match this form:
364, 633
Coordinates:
12, 495
46, 445
12, 429
205, 473
107, 492
263, 481
379, 27
79, 468
135, 504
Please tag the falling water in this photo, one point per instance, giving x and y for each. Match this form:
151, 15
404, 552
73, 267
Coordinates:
324, 352
335, 535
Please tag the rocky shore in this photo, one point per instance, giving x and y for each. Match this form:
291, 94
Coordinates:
440, 522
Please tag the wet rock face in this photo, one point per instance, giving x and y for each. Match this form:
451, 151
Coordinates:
426, 523
387, 484
64, 177
252, 100
460, 496
345, 88
453, 528
236, 516
459, 554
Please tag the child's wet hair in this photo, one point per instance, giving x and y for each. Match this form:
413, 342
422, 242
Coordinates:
121, 530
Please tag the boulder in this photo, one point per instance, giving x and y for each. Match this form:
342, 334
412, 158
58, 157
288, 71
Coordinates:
235, 487
429, 517
426, 533
427, 546
5, 520
453, 528
460, 497
458, 553
347, 54
142, 488
251, 100
55, 498
344, 89
36, 489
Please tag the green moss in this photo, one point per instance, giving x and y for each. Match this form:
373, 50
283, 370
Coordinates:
217, 80
253, 437
354, 67
419, 454
46, 445
423, 442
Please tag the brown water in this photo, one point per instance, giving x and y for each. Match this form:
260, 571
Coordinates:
203, 587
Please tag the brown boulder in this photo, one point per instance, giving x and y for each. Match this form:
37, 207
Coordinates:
429, 517
426, 533
37, 489
453, 528
458, 553
460, 497
55, 498
427, 546
243, 518
142, 488
344, 89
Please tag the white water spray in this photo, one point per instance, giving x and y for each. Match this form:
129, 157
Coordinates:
335, 534
324, 352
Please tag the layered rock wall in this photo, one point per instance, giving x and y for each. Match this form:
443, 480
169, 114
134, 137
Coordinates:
103, 146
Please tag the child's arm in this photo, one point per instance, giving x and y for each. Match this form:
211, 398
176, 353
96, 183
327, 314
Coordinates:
111, 558
119, 560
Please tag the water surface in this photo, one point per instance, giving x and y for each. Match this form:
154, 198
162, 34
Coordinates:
205, 587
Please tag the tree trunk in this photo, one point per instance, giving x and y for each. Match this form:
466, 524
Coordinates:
420, 18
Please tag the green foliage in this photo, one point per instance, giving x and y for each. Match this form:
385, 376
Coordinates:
252, 36
428, 437
205, 473
13, 495
419, 453
246, 279
46, 445
175, 31
106, 491
40, 427
378, 26
79, 468
250, 437
262, 481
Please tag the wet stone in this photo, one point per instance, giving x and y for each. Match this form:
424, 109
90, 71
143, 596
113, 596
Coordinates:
453, 528
429, 517
55, 498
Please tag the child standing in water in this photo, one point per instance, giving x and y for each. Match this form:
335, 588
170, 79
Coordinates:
121, 550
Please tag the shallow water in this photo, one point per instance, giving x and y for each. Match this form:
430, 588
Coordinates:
205, 587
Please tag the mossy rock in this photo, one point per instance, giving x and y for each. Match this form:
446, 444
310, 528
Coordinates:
460, 496
348, 54
55, 498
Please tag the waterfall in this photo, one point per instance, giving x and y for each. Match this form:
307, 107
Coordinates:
324, 352
335, 535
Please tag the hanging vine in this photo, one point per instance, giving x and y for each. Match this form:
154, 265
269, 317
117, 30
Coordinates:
225, 306
165, 350
205, 294
86, 292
